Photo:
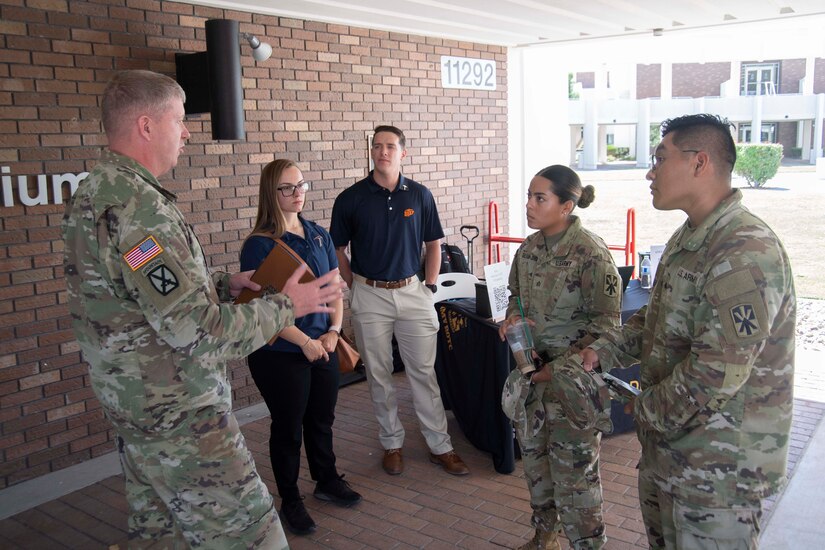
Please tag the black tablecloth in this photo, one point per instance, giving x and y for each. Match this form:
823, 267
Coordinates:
472, 364
633, 299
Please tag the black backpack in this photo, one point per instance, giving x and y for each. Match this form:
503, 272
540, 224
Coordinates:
453, 260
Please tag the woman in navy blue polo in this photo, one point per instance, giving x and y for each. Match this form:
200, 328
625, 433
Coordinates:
298, 375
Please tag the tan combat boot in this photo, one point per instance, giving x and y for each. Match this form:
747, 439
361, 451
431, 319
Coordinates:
542, 540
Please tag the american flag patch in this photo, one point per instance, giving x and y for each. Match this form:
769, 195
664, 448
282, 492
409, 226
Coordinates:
142, 253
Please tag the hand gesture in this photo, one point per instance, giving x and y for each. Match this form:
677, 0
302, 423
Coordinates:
313, 297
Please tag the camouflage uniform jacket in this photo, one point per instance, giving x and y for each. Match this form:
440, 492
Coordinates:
572, 291
146, 312
716, 345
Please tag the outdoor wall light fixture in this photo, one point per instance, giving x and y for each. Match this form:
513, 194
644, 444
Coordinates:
261, 51
212, 79
657, 32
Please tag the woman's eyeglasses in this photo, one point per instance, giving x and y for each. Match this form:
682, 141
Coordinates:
289, 190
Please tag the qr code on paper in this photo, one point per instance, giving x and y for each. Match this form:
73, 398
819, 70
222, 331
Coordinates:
500, 297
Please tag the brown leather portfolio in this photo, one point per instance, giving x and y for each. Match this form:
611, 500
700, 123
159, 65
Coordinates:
276, 268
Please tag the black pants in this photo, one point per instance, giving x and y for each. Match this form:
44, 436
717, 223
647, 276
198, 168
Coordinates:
301, 397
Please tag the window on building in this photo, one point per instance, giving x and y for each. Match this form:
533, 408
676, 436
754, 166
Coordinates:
611, 139
759, 78
768, 133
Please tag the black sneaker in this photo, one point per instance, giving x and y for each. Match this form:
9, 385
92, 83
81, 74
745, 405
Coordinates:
338, 491
295, 515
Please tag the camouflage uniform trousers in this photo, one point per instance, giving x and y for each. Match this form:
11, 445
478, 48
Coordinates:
561, 464
199, 489
672, 523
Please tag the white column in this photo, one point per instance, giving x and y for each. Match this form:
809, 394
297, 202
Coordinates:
602, 144
538, 128
575, 129
819, 122
756, 121
643, 133
808, 81
807, 149
667, 80
590, 154
735, 77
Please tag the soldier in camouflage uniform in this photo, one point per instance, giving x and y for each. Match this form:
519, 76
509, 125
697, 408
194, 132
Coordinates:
150, 321
716, 345
570, 292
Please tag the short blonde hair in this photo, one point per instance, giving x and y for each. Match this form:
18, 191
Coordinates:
130, 94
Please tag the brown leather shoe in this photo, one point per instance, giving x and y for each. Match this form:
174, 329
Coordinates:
542, 540
393, 463
451, 462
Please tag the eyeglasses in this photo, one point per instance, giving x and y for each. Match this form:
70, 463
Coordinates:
655, 162
289, 190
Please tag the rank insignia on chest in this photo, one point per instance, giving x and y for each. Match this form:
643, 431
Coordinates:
611, 284
163, 280
744, 320
147, 249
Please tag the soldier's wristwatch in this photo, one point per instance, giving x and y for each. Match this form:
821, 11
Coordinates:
433, 287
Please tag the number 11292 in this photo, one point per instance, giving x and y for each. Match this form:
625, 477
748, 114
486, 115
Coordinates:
464, 72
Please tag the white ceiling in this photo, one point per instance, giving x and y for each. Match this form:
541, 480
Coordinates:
529, 22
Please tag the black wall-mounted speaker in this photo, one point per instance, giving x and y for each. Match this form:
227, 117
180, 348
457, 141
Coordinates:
212, 80
192, 73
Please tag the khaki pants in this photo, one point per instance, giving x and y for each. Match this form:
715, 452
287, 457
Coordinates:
409, 313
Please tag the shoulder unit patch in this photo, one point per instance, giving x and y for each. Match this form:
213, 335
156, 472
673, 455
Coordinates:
611, 284
163, 279
744, 320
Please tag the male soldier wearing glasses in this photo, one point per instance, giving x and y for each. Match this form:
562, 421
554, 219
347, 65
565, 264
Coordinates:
716, 346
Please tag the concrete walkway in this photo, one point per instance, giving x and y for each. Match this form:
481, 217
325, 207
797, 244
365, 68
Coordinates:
83, 507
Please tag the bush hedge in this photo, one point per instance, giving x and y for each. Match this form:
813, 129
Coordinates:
757, 162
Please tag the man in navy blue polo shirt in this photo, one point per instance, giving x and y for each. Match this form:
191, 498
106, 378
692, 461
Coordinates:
385, 218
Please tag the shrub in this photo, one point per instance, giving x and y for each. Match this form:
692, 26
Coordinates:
617, 153
757, 162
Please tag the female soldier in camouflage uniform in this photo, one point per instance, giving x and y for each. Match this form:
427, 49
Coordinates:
570, 293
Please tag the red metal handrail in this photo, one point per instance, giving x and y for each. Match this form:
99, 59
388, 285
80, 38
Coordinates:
629, 247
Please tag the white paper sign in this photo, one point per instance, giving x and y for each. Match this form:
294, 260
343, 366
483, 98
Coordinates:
497, 276
656, 251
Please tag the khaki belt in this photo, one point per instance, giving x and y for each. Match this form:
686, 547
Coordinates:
390, 285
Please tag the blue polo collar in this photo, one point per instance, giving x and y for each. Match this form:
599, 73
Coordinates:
402, 184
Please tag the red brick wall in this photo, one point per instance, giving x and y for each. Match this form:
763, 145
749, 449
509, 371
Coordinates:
587, 80
648, 81
786, 135
791, 71
699, 79
316, 99
819, 75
